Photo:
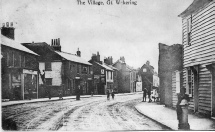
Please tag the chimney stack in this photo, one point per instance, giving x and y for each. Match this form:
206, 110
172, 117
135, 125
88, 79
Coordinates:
8, 30
56, 44
79, 53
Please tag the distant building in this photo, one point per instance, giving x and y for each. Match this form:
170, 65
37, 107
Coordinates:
103, 75
19, 67
199, 55
63, 71
146, 72
126, 76
170, 61
109, 62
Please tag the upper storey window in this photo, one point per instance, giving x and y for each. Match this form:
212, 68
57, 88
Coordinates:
189, 28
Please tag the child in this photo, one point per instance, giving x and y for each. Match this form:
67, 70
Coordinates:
108, 95
112, 94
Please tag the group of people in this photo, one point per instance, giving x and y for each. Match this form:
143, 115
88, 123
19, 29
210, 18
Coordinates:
153, 93
110, 93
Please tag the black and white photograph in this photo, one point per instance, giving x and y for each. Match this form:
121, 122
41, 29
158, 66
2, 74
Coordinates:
107, 65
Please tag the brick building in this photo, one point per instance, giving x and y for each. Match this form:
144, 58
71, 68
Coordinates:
63, 71
19, 67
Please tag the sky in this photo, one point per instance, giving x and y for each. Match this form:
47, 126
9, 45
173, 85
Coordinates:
133, 30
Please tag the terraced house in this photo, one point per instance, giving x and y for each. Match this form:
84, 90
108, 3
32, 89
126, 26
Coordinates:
62, 71
199, 55
19, 67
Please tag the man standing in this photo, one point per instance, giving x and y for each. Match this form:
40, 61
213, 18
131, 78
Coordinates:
78, 91
144, 94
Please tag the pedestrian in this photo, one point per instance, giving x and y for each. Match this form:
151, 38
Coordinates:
92, 93
144, 94
108, 95
112, 94
149, 94
181, 96
60, 94
78, 91
29, 93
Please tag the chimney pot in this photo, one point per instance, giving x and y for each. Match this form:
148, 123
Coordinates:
3, 24
59, 41
7, 24
11, 24
56, 43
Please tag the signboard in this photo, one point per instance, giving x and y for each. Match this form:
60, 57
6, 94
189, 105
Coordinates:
138, 86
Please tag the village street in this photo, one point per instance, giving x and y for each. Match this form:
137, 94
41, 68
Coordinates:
95, 113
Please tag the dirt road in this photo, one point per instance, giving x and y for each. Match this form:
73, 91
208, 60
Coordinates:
88, 114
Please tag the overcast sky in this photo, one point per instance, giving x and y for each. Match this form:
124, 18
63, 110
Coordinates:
132, 31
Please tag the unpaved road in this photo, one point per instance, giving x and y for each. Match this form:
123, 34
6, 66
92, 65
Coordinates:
88, 114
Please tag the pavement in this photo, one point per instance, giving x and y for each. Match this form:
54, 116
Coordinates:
167, 117
10, 103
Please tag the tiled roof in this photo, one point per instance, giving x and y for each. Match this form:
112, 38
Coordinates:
114, 68
14, 44
73, 58
104, 66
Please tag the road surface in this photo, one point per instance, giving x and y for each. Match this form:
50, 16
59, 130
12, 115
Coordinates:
96, 113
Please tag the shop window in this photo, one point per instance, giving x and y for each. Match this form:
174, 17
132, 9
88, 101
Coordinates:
48, 66
48, 81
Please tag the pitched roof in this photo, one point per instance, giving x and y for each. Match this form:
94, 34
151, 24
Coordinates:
196, 5
114, 68
14, 44
104, 66
73, 58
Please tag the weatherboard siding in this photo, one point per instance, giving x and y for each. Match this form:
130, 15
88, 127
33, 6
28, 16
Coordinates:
201, 52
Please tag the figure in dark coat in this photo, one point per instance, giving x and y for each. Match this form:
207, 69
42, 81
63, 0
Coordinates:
112, 94
144, 94
149, 93
108, 95
78, 92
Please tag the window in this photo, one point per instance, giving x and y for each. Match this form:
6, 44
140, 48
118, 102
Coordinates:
189, 27
177, 81
23, 61
84, 69
102, 71
48, 66
8, 59
78, 69
190, 81
48, 81
16, 60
